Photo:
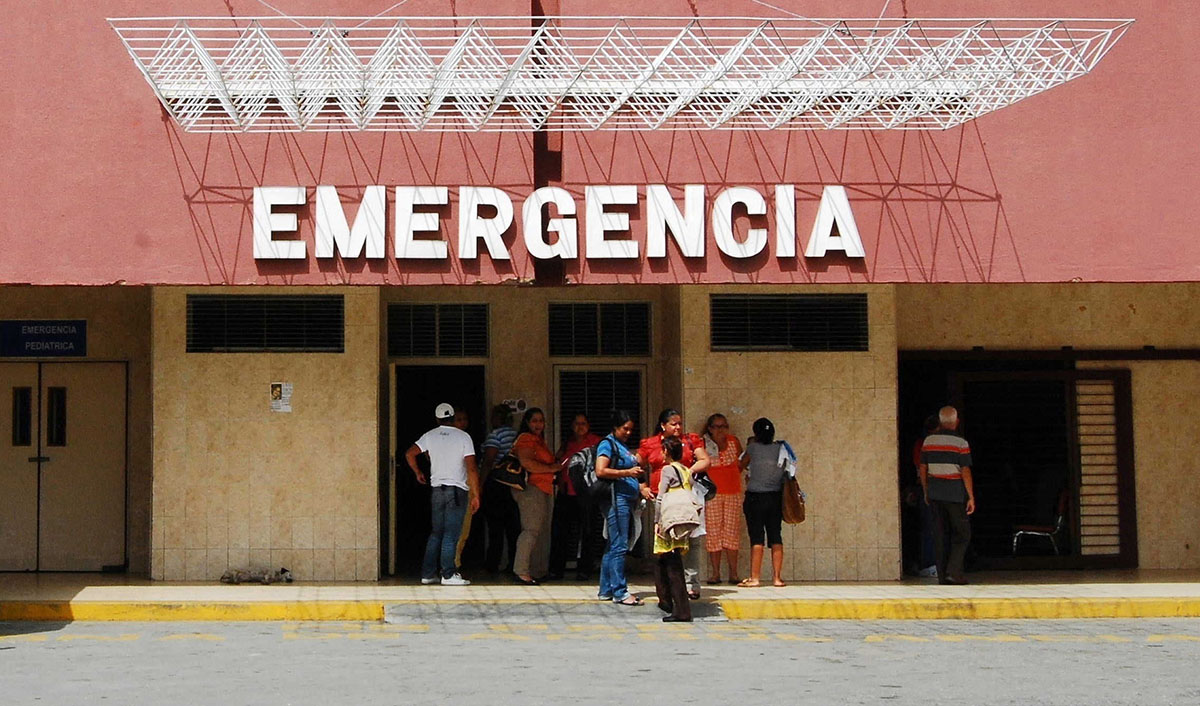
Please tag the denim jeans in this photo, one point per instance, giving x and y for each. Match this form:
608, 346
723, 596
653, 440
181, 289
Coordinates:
448, 505
612, 566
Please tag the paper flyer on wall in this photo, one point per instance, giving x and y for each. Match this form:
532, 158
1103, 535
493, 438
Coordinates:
281, 397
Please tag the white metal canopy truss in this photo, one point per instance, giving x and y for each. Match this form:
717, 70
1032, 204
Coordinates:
277, 74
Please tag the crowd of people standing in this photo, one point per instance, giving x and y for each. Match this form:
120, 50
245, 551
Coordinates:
548, 521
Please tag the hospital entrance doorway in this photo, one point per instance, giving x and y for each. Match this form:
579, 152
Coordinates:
416, 391
1052, 460
62, 468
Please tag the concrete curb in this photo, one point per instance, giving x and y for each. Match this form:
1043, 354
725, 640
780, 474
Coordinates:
734, 609
961, 608
190, 611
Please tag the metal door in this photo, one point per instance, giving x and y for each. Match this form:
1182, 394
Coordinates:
62, 490
19, 466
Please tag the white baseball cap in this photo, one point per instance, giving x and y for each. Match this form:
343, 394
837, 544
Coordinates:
444, 411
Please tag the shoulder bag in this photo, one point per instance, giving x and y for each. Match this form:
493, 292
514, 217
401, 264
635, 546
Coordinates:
793, 501
508, 471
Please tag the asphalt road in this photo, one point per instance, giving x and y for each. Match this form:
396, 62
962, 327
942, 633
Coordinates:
524, 661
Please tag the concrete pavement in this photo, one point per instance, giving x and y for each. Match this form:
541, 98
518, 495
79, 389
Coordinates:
927, 663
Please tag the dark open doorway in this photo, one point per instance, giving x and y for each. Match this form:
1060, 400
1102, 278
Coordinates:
1052, 459
420, 388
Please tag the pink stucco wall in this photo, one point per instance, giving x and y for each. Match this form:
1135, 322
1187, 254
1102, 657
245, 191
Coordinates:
1092, 180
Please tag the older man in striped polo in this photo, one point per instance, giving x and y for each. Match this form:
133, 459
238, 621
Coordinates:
946, 479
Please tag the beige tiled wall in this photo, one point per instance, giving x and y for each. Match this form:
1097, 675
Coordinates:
1166, 427
1166, 394
838, 411
1016, 316
236, 485
118, 320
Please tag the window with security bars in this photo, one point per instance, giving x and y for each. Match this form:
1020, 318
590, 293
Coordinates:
437, 330
597, 393
251, 323
789, 322
604, 328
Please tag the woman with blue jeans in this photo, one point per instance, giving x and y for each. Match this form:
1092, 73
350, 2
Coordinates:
616, 463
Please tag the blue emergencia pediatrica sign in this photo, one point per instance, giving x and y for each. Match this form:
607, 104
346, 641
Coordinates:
25, 339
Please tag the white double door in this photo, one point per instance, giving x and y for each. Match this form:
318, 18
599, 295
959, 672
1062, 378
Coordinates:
62, 466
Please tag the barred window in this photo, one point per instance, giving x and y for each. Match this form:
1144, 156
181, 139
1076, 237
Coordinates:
252, 323
789, 322
437, 330
608, 329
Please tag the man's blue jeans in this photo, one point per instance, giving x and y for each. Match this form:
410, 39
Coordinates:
612, 566
449, 505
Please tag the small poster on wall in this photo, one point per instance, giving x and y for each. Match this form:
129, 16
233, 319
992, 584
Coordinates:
281, 397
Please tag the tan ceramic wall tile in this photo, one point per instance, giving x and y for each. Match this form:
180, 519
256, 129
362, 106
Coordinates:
302, 563
366, 565
239, 557
173, 565
323, 565
345, 564
260, 558
242, 478
825, 564
195, 564
839, 412
323, 531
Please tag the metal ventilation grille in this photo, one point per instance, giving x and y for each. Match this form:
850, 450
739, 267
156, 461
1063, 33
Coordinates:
244, 323
1099, 491
789, 322
597, 393
437, 330
609, 329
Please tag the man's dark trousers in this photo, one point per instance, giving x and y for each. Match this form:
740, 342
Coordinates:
952, 537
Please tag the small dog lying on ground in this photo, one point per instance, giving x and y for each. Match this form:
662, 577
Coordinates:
264, 576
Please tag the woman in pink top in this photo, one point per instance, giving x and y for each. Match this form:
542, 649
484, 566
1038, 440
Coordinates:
571, 527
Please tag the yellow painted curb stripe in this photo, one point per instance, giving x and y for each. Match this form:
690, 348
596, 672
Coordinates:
735, 609
66, 611
961, 608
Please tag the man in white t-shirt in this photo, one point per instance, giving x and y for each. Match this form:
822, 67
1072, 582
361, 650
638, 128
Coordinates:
455, 484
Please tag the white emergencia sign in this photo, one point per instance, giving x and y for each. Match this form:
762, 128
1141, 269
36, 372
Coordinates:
484, 214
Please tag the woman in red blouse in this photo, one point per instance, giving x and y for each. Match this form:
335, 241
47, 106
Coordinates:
695, 457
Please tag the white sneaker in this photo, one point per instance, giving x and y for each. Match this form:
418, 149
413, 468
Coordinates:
928, 572
455, 580
429, 582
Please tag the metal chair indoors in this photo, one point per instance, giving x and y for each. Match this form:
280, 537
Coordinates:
1051, 532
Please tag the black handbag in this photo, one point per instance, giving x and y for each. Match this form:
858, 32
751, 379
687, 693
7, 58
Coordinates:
709, 485
508, 471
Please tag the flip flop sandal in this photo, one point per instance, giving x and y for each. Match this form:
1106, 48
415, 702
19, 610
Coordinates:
627, 602
694, 595
748, 583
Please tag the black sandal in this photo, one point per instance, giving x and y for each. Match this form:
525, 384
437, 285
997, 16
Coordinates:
630, 600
